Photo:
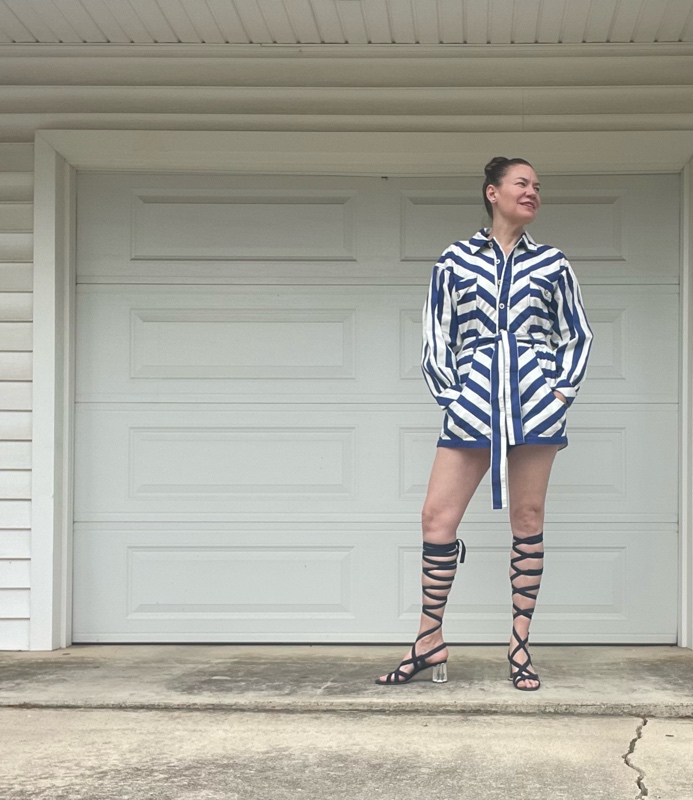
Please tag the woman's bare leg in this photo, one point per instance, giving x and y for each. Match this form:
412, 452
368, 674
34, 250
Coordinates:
455, 476
529, 468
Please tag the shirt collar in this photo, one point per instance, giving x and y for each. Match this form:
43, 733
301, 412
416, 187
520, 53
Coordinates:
529, 243
481, 239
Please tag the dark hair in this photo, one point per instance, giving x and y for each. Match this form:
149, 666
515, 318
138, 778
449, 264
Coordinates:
495, 171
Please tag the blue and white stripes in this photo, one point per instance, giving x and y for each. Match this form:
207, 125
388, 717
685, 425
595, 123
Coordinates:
500, 335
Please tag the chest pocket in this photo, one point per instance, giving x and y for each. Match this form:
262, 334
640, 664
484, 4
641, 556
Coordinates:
540, 299
465, 297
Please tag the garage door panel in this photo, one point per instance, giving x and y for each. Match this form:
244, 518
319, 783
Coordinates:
169, 582
434, 216
230, 225
429, 217
159, 460
155, 460
230, 344
234, 229
235, 583
230, 229
603, 223
241, 344
223, 461
301, 581
620, 461
628, 362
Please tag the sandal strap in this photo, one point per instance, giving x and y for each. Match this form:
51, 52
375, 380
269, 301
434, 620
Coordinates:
439, 558
436, 558
522, 668
525, 676
418, 662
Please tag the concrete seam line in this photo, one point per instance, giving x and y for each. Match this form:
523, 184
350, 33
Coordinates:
386, 707
640, 780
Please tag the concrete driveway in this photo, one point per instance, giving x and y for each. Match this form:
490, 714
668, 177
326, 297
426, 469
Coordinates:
232, 722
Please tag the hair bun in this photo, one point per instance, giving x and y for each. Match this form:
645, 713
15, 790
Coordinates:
493, 164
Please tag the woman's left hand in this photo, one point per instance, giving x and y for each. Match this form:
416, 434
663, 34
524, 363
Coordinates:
560, 397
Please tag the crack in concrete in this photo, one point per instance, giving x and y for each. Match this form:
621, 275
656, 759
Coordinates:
330, 682
640, 780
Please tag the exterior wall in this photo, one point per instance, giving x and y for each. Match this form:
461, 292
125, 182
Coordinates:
16, 223
346, 88
604, 91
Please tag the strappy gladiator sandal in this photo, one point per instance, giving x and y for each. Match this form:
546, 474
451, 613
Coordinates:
436, 558
522, 670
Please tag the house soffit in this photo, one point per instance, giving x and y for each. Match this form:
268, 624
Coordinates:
352, 22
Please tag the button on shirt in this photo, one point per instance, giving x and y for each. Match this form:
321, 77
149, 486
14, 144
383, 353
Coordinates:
501, 334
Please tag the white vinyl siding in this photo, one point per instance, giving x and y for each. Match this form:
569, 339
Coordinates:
16, 226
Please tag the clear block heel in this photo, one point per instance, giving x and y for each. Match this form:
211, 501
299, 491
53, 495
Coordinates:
440, 672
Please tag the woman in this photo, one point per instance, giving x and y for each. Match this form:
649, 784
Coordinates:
506, 343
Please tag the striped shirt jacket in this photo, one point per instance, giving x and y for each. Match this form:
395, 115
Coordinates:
500, 335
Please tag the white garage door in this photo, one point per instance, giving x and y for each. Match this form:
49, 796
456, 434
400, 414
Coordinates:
253, 436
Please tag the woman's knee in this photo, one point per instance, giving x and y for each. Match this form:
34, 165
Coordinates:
527, 519
437, 523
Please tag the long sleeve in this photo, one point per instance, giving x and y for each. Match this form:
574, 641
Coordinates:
438, 361
571, 333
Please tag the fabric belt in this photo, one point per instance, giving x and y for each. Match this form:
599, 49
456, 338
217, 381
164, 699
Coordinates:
506, 407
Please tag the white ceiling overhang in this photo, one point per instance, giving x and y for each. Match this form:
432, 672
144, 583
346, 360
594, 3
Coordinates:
354, 22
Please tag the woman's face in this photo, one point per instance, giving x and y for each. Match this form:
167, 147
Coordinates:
516, 199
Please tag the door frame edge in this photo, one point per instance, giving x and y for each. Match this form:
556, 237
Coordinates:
685, 632
50, 624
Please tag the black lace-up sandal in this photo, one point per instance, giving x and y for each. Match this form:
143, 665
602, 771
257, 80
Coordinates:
522, 670
436, 558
